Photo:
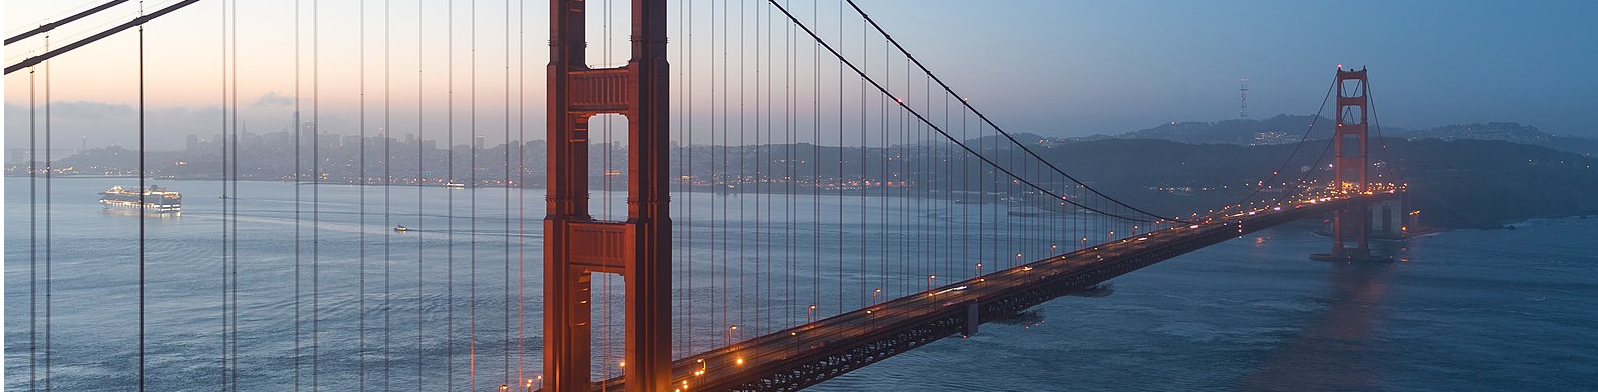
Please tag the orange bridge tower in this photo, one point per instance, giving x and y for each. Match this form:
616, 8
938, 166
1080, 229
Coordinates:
575, 244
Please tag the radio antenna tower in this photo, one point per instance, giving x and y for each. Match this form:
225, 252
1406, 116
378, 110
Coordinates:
1242, 91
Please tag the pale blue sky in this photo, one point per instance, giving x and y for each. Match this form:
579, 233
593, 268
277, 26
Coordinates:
1064, 68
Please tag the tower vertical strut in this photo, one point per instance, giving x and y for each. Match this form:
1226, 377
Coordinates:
575, 244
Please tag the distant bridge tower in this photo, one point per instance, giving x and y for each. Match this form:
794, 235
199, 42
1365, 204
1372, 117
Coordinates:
1351, 225
575, 244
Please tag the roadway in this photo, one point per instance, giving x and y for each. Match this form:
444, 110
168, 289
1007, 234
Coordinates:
803, 355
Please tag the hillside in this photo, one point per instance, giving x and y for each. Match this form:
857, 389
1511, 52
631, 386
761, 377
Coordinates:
1457, 184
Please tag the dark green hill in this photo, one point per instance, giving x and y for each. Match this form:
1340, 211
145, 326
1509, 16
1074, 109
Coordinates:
1456, 184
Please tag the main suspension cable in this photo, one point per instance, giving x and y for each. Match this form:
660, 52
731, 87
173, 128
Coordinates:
982, 117
1301, 140
946, 135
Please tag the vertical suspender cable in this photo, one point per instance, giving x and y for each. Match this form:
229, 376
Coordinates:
33, 239
388, 181
49, 232
726, 174
316, 197
743, 177
471, 365
769, 148
521, 194
840, 178
360, 308
688, 158
710, 175
950, 247
922, 180
965, 191
679, 294
223, 369
759, 180
863, 181
298, 177
815, 169
449, 208
420, 185
882, 196
505, 379
142, 217
897, 199
233, 333
904, 192
788, 52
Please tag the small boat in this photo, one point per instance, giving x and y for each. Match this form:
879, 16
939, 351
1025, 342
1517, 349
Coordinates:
401, 228
454, 185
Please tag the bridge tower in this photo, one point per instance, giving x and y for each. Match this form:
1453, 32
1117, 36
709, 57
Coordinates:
1351, 224
575, 244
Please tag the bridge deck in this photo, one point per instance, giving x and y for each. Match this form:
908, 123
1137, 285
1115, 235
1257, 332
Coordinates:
804, 355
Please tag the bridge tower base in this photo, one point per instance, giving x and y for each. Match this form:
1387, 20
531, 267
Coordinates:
575, 244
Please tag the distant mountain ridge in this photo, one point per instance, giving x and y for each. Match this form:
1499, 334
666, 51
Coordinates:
1284, 128
1506, 131
1509, 132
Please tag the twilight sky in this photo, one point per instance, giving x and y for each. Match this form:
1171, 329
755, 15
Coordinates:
1062, 68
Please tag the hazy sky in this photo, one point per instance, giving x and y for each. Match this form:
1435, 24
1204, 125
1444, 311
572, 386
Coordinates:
1053, 67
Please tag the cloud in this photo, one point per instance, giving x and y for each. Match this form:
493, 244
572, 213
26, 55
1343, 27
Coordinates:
273, 100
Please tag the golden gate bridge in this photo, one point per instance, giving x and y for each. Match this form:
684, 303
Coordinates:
838, 204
